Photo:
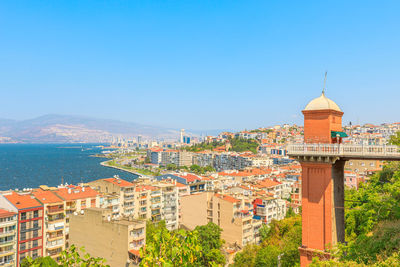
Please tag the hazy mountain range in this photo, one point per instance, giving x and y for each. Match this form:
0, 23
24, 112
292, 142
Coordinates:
72, 129
67, 128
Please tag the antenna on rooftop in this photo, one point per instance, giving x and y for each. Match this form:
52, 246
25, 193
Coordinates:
323, 89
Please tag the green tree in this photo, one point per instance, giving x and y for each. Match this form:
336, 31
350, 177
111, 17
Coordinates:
178, 248
171, 166
181, 248
72, 257
395, 139
208, 168
39, 262
247, 257
196, 169
241, 145
267, 256
264, 230
152, 228
278, 238
211, 243
69, 258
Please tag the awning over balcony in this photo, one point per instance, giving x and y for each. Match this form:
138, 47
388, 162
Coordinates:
338, 134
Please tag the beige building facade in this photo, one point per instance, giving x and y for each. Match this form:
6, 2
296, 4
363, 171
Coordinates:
118, 241
233, 215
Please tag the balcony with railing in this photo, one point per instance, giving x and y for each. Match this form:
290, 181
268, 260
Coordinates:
7, 250
8, 263
55, 218
7, 233
350, 151
54, 244
4, 243
137, 234
70, 206
55, 235
56, 226
54, 252
55, 209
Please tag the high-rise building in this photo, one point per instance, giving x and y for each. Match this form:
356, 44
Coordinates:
120, 188
30, 224
54, 226
234, 216
182, 135
76, 199
8, 238
116, 240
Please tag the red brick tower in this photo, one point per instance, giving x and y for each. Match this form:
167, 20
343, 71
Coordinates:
322, 182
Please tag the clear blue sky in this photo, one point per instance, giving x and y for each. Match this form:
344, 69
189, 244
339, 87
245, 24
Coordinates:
199, 64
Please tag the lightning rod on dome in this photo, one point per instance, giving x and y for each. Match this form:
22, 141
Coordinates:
323, 89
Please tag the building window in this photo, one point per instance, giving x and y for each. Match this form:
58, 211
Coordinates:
35, 224
35, 214
35, 233
34, 243
23, 226
23, 216
23, 246
23, 236
35, 253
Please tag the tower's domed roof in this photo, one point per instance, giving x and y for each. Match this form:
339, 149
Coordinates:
322, 102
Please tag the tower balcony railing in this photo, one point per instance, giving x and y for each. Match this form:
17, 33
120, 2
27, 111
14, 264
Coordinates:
343, 150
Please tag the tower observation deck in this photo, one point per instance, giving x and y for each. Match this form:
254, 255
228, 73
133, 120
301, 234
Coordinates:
344, 151
322, 157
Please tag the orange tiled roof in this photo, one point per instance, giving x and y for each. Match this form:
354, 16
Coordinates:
189, 177
46, 197
227, 198
22, 201
180, 185
119, 182
266, 183
6, 213
76, 192
135, 252
141, 188
156, 149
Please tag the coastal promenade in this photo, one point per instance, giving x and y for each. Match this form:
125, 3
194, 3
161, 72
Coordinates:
106, 164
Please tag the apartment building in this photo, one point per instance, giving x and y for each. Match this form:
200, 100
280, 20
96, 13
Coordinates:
351, 179
154, 154
117, 187
30, 224
185, 158
8, 238
269, 208
76, 199
111, 201
234, 216
203, 159
170, 205
363, 167
116, 240
159, 201
196, 183
54, 222
272, 187
147, 203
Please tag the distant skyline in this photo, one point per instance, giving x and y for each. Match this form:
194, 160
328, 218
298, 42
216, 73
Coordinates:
199, 64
